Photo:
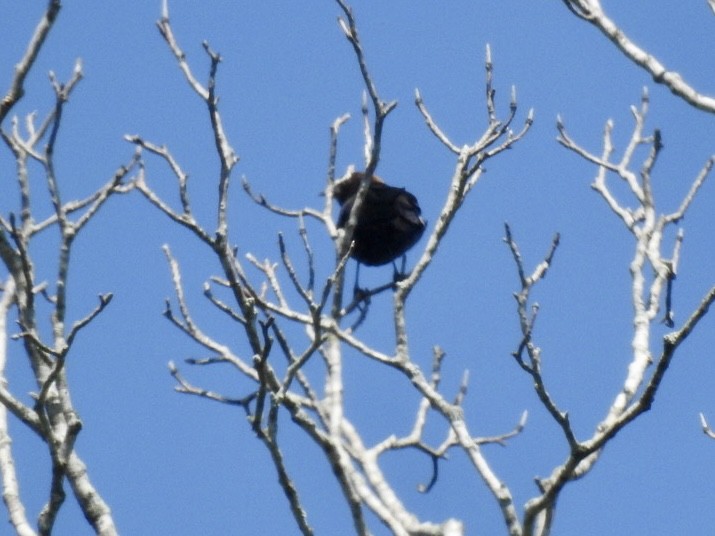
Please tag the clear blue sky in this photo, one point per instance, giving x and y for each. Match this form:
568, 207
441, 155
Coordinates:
168, 464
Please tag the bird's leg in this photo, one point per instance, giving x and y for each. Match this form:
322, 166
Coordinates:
360, 295
356, 287
399, 275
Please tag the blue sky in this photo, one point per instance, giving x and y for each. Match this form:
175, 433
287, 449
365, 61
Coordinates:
169, 464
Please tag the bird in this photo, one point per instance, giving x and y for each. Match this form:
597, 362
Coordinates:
389, 223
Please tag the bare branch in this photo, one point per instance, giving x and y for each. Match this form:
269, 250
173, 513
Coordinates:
260, 199
676, 338
502, 438
185, 219
22, 68
703, 423
334, 131
496, 138
227, 157
432, 125
186, 387
270, 439
48, 515
527, 322
222, 306
163, 152
303, 232
11, 488
381, 108
189, 327
164, 26
94, 201
592, 12
678, 215
104, 300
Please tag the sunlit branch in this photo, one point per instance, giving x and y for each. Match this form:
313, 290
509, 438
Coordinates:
22, 68
703, 422
592, 12
187, 325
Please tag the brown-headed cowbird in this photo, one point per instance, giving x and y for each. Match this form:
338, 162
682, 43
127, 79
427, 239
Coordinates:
389, 222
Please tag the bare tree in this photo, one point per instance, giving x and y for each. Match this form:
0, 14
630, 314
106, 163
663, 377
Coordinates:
592, 11
289, 316
266, 314
31, 301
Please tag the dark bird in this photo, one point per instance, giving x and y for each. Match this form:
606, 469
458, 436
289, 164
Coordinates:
389, 222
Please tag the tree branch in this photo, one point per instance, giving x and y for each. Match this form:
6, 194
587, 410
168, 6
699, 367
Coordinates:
592, 12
